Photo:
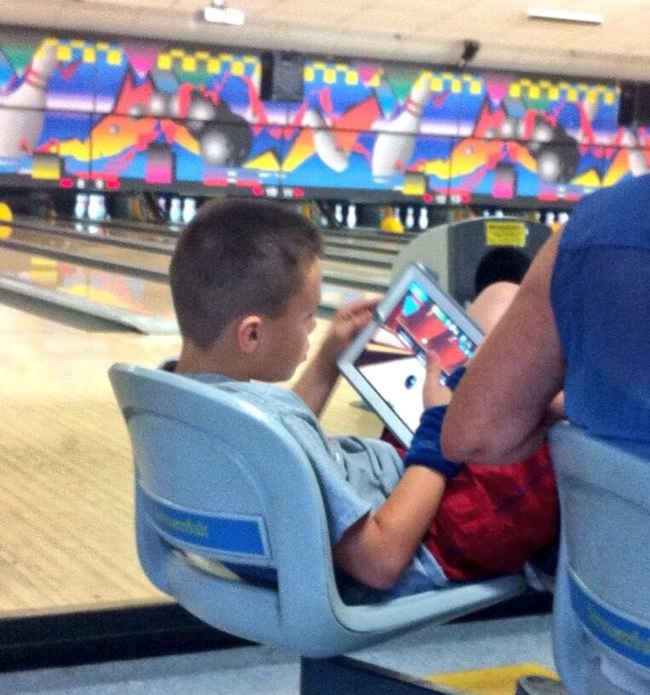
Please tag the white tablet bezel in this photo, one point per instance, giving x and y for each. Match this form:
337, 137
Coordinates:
426, 278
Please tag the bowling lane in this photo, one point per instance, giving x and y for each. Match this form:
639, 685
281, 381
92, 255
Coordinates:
159, 239
335, 241
91, 249
366, 271
130, 285
153, 237
138, 303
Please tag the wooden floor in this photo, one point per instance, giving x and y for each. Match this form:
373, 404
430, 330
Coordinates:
66, 538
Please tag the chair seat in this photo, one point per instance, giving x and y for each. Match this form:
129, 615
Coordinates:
602, 597
217, 479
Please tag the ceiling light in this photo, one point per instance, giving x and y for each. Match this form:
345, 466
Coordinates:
217, 13
565, 15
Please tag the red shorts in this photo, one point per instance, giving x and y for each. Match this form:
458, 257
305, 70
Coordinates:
492, 518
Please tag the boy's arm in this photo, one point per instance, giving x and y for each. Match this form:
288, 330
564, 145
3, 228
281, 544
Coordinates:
378, 547
320, 375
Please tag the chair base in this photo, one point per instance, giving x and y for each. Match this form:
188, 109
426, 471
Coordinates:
339, 675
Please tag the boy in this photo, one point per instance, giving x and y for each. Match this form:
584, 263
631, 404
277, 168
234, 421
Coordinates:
245, 280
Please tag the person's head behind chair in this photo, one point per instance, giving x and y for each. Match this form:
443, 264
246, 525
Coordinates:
243, 264
500, 264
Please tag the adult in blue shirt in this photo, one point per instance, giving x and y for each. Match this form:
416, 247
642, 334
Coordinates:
580, 322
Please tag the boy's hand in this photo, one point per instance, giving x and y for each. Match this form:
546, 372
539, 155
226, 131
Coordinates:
433, 392
320, 375
349, 319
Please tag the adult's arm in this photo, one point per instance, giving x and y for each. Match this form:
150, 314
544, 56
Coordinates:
502, 406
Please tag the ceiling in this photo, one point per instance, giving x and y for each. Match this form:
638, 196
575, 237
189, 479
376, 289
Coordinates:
431, 32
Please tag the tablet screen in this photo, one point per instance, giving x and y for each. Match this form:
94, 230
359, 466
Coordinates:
386, 363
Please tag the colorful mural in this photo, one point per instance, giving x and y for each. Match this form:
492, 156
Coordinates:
150, 115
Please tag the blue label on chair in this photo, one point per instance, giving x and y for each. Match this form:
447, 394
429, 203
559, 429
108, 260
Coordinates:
226, 534
623, 636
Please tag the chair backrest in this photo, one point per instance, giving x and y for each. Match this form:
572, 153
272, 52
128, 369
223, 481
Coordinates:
602, 594
217, 478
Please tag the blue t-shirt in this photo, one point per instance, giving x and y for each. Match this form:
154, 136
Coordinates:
600, 295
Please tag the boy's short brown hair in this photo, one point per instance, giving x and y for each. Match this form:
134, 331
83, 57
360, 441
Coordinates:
236, 257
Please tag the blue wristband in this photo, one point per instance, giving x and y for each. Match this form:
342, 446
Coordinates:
425, 445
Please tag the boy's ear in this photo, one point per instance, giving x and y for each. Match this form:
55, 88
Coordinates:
249, 333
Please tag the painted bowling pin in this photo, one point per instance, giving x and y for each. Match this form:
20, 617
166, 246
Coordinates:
21, 121
324, 141
394, 144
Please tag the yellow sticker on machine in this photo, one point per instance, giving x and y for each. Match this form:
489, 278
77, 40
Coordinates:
505, 233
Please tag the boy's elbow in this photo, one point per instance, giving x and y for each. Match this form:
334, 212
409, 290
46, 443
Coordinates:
382, 576
378, 572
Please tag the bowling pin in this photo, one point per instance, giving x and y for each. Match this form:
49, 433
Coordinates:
338, 213
394, 144
21, 121
324, 141
351, 219
189, 210
102, 207
162, 205
80, 206
423, 218
93, 210
409, 220
175, 211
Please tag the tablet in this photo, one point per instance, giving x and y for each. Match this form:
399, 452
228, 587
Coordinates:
385, 363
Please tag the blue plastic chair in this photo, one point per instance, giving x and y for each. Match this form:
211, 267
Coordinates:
216, 478
602, 592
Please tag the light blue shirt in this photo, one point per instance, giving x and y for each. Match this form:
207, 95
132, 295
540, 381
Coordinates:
356, 475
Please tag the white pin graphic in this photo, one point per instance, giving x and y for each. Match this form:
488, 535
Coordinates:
324, 142
21, 121
394, 144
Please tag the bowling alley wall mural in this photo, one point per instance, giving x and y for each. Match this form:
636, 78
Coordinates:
149, 115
